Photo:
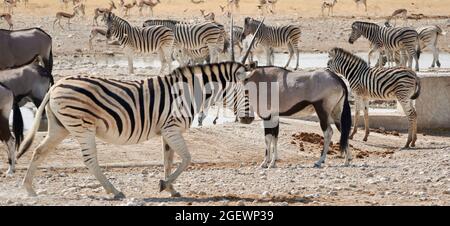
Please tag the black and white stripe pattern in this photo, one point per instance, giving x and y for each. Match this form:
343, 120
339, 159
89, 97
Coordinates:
130, 112
152, 39
389, 39
368, 83
168, 23
238, 37
274, 37
196, 36
189, 38
428, 37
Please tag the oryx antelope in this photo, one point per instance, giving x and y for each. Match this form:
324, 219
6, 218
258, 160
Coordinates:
399, 83
276, 92
20, 47
29, 82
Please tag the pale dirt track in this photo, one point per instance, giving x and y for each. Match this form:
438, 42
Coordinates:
226, 157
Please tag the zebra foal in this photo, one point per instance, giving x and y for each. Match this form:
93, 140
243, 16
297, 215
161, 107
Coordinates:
368, 83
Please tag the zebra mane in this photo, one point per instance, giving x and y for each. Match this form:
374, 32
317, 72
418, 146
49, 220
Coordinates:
348, 55
117, 18
364, 23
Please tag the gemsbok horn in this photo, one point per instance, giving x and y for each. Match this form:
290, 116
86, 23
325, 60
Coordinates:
252, 42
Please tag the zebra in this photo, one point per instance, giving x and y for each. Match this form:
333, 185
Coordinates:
149, 39
399, 83
130, 112
168, 23
195, 36
275, 36
194, 56
238, 35
428, 37
389, 39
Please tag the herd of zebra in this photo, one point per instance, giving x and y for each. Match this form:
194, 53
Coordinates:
130, 112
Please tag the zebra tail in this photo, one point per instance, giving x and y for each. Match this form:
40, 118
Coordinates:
346, 121
26, 144
419, 49
17, 123
417, 91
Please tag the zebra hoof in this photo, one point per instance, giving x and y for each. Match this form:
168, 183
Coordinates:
119, 196
317, 165
162, 185
365, 139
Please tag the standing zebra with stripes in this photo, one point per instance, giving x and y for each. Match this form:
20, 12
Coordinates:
275, 36
368, 83
191, 38
150, 39
389, 39
132, 112
428, 38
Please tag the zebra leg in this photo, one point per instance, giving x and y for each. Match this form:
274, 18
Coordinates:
201, 117
410, 112
56, 133
268, 57
172, 135
168, 161
366, 118
297, 55
291, 53
435, 56
217, 114
89, 152
356, 118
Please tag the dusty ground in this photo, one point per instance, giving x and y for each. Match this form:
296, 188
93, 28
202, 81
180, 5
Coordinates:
225, 171
226, 157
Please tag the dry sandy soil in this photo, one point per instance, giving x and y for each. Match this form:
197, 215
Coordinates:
226, 157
